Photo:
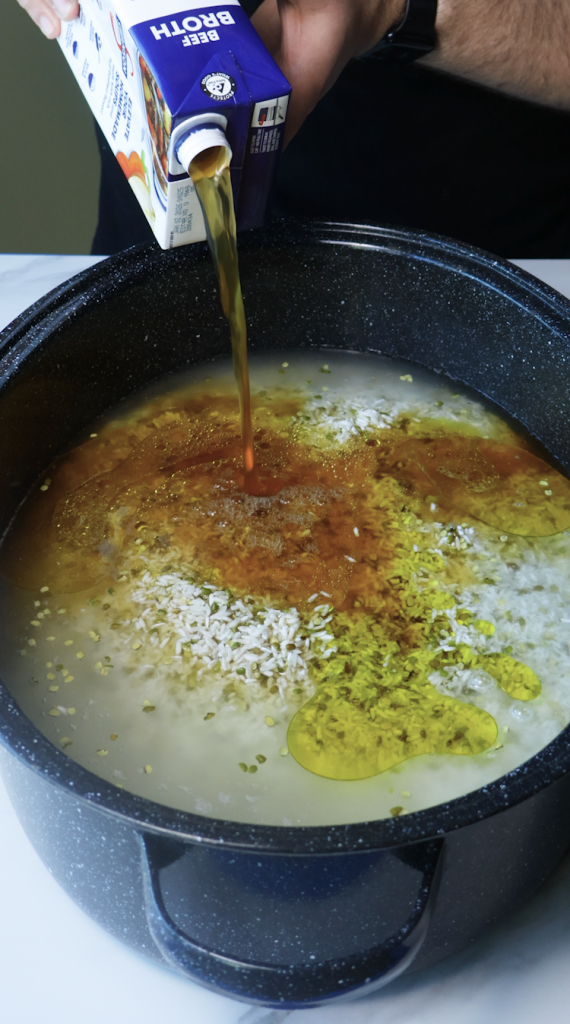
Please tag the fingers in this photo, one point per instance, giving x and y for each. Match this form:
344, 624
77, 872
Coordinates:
48, 16
313, 40
267, 21
311, 43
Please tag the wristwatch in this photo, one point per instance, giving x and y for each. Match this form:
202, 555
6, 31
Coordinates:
412, 38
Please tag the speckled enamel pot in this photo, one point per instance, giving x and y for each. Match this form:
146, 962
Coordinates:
288, 917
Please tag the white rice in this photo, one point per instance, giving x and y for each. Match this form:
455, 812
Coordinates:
218, 677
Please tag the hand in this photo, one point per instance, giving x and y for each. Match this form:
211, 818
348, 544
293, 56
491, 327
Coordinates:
49, 16
313, 40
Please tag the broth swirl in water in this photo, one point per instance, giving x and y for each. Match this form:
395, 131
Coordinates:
312, 653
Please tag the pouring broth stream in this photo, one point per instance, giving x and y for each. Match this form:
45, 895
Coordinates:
210, 174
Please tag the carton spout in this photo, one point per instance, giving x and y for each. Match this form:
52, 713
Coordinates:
203, 147
210, 162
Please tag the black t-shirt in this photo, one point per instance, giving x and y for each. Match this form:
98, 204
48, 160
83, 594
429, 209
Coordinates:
409, 147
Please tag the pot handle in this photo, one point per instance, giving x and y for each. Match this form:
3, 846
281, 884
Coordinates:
299, 985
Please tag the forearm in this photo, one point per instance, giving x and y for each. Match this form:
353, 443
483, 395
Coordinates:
521, 47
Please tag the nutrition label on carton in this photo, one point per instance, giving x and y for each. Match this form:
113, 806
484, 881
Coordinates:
265, 141
182, 208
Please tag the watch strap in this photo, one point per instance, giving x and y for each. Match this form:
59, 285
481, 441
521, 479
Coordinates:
413, 37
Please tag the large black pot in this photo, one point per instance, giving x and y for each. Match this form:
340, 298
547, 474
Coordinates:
284, 916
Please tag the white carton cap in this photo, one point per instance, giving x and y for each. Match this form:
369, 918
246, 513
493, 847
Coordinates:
197, 141
183, 132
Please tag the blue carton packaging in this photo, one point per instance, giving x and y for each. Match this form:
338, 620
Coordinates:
153, 72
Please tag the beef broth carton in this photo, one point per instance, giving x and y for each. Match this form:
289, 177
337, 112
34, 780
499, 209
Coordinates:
158, 72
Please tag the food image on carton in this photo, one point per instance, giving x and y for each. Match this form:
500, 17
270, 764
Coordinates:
153, 71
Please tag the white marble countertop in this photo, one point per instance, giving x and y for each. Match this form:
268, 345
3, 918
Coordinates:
56, 965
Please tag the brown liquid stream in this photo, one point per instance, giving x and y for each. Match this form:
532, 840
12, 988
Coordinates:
211, 177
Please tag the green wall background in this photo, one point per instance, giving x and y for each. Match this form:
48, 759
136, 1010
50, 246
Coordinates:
49, 166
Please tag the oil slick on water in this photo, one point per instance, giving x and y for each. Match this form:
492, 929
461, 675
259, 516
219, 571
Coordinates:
378, 634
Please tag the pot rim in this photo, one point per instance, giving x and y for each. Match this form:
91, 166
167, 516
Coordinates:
20, 737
